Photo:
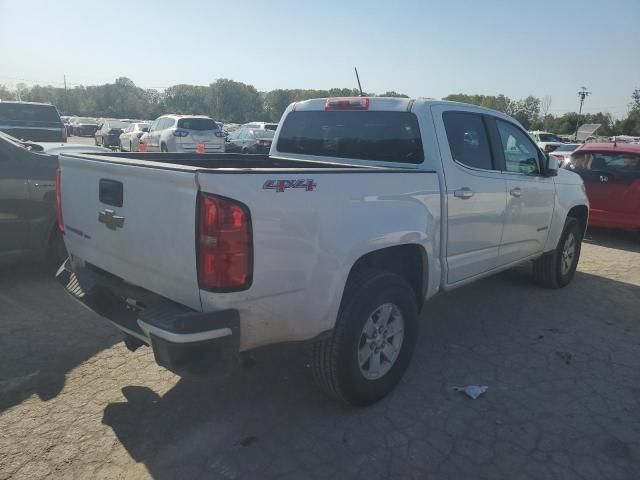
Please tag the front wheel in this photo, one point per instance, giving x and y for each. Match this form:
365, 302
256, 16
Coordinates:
373, 340
556, 269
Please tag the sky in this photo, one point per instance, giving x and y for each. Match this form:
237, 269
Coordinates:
421, 48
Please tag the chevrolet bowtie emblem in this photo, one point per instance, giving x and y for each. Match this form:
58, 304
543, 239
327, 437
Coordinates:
110, 219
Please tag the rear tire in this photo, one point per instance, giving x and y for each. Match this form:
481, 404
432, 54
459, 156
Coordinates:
163, 148
130, 146
345, 365
556, 270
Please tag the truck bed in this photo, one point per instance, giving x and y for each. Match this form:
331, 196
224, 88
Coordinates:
223, 161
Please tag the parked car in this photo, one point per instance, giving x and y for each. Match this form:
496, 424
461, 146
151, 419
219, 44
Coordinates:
32, 121
130, 138
366, 208
108, 133
563, 152
27, 200
261, 126
84, 126
548, 142
185, 134
611, 174
248, 140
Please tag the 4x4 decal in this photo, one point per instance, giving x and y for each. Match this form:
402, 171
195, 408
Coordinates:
282, 185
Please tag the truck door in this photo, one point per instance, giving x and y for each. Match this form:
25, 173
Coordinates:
15, 164
530, 196
475, 191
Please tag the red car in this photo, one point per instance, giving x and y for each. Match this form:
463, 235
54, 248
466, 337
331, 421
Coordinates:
611, 174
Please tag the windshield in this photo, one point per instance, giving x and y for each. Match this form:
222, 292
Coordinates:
200, 124
549, 137
264, 133
620, 162
28, 112
567, 147
122, 125
369, 135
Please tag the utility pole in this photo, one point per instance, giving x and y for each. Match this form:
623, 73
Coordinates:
582, 93
66, 95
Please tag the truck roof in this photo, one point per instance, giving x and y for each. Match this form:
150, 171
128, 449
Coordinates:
400, 104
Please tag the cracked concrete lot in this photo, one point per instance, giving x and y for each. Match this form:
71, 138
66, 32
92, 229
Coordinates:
562, 369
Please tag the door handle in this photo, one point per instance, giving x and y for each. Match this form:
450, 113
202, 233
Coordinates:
515, 192
464, 193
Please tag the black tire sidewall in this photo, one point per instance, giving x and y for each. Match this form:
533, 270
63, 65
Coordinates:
381, 288
571, 226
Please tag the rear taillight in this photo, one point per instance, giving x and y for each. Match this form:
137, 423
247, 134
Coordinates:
59, 201
224, 245
263, 142
180, 133
356, 103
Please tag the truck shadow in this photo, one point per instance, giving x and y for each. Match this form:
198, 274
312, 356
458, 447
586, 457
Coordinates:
44, 335
271, 421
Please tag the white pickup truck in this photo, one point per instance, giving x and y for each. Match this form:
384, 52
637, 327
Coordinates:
363, 210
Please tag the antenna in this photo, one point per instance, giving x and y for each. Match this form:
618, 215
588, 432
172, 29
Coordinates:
358, 78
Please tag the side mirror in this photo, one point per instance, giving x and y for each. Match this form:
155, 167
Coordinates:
551, 165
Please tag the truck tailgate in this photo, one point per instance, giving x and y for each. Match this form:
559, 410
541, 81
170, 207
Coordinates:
135, 222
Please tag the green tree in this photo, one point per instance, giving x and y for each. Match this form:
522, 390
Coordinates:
236, 102
6, 94
393, 93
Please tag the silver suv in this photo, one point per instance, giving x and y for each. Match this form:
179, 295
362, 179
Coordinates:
185, 134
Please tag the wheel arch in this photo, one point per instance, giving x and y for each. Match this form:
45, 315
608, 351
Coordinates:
580, 213
410, 261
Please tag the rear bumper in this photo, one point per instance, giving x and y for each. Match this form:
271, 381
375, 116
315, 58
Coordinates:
622, 221
183, 340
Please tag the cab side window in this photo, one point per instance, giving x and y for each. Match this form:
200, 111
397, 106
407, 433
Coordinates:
468, 139
520, 153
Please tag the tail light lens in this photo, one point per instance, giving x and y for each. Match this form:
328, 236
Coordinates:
263, 142
224, 244
59, 201
180, 133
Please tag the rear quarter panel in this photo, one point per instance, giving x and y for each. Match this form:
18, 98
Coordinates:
305, 242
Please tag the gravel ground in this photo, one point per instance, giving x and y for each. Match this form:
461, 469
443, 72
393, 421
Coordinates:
561, 366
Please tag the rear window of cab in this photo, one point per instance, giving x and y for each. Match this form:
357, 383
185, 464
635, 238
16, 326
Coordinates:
200, 124
27, 112
363, 135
